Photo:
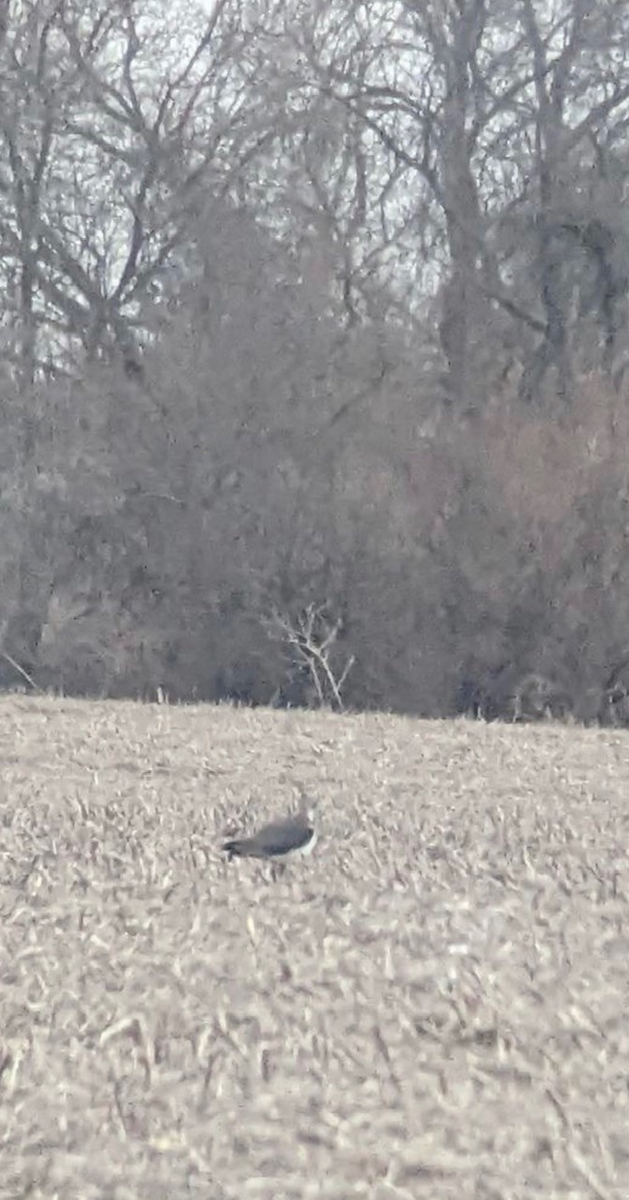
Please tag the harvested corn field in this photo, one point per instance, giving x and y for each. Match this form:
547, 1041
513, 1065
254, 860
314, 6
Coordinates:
433, 1004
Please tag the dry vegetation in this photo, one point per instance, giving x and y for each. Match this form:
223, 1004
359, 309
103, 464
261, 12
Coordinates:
433, 1005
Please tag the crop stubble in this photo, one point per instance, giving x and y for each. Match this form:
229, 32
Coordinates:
433, 1005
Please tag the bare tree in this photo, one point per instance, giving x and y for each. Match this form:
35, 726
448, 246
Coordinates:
310, 641
498, 131
111, 134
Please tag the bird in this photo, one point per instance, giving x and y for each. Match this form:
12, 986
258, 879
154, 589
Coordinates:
285, 838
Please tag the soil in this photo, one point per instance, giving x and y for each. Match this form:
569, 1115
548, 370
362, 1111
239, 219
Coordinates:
433, 1004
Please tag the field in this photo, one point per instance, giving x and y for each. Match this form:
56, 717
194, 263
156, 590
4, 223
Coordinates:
434, 1004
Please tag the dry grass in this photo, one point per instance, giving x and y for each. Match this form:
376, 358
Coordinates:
433, 1008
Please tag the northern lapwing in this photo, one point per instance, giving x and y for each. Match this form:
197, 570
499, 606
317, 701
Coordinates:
280, 840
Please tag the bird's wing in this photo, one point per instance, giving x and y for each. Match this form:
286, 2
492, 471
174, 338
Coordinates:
279, 837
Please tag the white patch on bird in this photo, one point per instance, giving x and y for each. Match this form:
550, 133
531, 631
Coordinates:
310, 845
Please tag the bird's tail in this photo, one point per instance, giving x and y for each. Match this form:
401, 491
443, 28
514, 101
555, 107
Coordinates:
233, 849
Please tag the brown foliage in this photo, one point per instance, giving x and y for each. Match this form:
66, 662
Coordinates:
459, 555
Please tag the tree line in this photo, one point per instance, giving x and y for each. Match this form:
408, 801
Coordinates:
313, 352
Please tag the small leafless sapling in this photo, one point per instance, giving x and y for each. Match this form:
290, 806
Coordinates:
311, 638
